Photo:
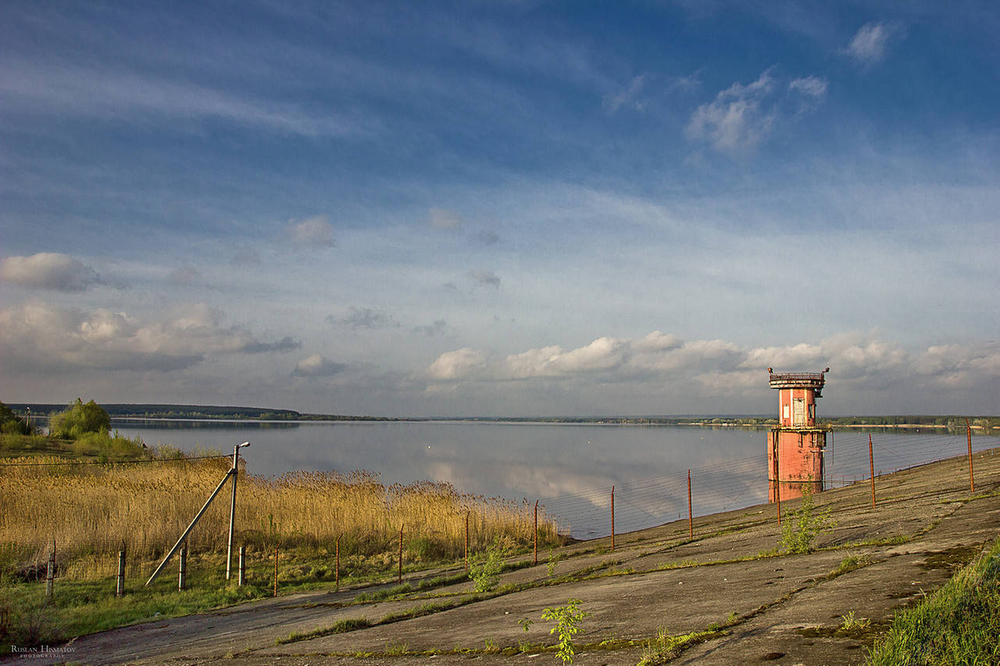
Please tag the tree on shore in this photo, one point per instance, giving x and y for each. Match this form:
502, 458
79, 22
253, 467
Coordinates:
79, 419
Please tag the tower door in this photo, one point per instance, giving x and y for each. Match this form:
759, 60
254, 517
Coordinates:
799, 412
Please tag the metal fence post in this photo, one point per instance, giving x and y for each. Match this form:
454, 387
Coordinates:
690, 513
871, 464
275, 571
50, 573
972, 479
182, 567
536, 531
612, 519
243, 566
400, 581
337, 574
120, 586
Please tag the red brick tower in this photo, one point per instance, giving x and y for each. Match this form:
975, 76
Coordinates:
795, 447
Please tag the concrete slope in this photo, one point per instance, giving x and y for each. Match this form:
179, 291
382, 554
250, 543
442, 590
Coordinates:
756, 604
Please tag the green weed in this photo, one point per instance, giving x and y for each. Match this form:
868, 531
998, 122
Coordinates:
567, 619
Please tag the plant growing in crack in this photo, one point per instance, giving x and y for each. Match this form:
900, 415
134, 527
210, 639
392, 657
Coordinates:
800, 529
567, 619
486, 567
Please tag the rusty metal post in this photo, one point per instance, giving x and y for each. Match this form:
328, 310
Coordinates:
337, 574
972, 479
871, 464
275, 571
777, 482
400, 578
612, 519
467, 513
182, 567
120, 580
536, 531
690, 512
242, 578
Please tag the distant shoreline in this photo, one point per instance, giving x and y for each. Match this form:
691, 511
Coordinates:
221, 414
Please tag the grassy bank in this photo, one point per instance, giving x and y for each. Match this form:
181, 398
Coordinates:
958, 624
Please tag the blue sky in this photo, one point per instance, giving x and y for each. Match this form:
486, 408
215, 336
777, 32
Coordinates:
500, 208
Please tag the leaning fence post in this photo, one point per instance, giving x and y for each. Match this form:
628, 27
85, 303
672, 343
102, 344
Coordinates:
690, 513
337, 574
972, 480
612, 519
467, 513
871, 464
50, 573
120, 584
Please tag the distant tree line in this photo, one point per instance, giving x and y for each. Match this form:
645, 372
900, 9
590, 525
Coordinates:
158, 411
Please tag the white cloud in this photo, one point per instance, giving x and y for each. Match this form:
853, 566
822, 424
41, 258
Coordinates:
811, 86
456, 364
317, 366
735, 119
869, 43
714, 369
129, 97
312, 232
441, 218
45, 336
49, 270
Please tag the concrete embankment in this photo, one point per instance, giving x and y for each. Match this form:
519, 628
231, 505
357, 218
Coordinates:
726, 585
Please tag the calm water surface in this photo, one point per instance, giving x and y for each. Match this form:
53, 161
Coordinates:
571, 468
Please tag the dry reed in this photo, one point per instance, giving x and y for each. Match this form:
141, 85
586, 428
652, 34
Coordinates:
93, 510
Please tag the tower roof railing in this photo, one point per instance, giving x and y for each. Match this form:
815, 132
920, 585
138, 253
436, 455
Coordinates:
813, 380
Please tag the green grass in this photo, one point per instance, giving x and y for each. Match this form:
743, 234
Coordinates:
340, 627
958, 624
81, 607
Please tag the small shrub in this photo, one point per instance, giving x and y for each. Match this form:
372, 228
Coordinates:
802, 526
485, 569
567, 619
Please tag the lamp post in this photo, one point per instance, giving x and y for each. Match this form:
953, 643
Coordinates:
232, 507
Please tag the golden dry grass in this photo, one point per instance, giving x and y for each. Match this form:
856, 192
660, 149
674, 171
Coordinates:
91, 510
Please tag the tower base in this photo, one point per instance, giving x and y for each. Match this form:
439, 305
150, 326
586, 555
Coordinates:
795, 462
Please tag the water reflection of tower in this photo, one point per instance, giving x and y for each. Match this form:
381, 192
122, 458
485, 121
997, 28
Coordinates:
795, 446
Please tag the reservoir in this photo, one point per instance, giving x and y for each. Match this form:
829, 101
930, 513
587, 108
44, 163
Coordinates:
570, 469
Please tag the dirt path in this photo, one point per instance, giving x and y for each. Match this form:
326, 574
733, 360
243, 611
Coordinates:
786, 609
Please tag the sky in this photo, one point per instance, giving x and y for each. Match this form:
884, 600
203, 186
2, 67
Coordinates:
501, 207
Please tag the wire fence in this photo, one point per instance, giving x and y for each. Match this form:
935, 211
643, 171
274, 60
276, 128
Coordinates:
739, 483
